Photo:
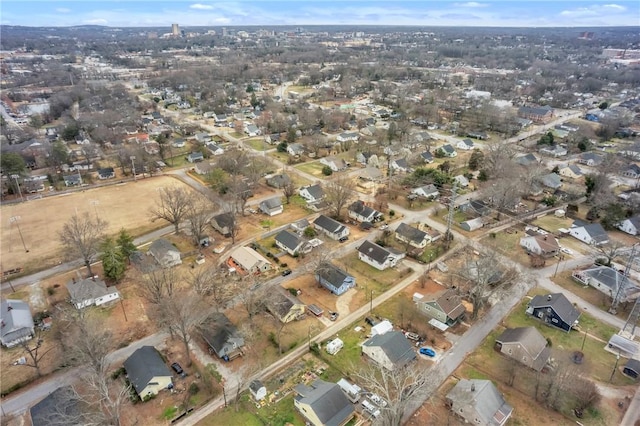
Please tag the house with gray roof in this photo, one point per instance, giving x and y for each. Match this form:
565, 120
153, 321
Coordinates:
279, 181
430, 191
444, 306
555, 310
400, 165
72, 180
447, 151
323, 404
106, 173
571, 171
284, 306
412, 236
147, 372
224, 223
221, 335
589, 233
527, 159
312, 193
427, 157
271, 206
554, 151
465, 144
630, 225
535, 113
631, 171
551, 180
195, 157
390, 350
165, 253
377, 256
330, 227
479, 402
525, 345
590, 159
336, 164
295, 149
258, 390
608, 281
292, 243
61, 407
359, 211
334, 279
16, 322
90, 292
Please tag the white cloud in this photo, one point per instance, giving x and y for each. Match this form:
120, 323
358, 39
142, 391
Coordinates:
595, 10
471, 4
97, 21
201, 6
63, 10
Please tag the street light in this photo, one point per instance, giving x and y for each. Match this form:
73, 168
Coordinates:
615, 367
16, 220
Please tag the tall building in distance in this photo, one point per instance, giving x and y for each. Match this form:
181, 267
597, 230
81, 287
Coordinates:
175, 30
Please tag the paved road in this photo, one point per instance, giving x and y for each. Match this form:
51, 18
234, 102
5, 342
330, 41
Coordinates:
20, 401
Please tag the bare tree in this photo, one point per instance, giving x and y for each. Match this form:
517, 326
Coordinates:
211, 282
81, 236
182, 314
159, 285
338, 192
611, 250
251, 296
36, 352
173, 205
400, 388
585, 393
198, 218
289, 190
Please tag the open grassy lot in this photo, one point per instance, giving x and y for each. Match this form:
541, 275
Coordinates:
552, 223
369, 277
258, 144
313, 168
122, 206
508, 244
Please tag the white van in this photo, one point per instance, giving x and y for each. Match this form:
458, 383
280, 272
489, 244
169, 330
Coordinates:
370, 408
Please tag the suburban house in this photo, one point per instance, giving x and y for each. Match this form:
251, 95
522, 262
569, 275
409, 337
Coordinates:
179, 143
412, 236
542, 245
590, 159
295, 149
106, 173
195, 156
526, 345
377, 256
630, 225
536, 114
554, 151
390, 350
250, 260
323, 404
300, 225
551, 180
214, 149
479, 402
292, 243
362, 213
258, 390
165, 253
430, 191
571, 171
444, 306
348, 137
465, 145
447, 151
591, 233
527, 159
147, 372
271, 206
16, 321
224, 223
72, 180
555, 310
632, 368
334, 163
400, 165
427, 157
371, 174
334, 279
608, 281
284, 306
90, 292
58, 408
632, 171
461, 181
203, 137
252, 130
204, 168
331, 228
222, 336
312, 193
278, 181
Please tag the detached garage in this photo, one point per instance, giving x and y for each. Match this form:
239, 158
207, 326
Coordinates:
472, 225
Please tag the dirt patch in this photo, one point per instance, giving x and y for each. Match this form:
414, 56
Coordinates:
40, 220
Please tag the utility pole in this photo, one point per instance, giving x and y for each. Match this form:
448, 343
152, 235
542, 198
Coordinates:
16, 220
15, 177
448, 236
623, 283
133, 167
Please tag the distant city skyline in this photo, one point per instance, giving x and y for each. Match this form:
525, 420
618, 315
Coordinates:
159, 13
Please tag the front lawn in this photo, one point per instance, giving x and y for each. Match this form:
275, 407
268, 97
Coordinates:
313, 168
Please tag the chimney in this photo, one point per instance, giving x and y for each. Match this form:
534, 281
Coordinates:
548, 297
473, 387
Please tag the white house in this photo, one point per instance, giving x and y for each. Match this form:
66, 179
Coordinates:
465, 145
250, 260
447, 151
378, 256
630, 225
295, 149
412, 236
592, 234
90, 292
334, 346
332, 228
312, 193
17, 322
400, 165
165, 253
461, 180
334, 163
258, 390
271, 206
429, 192
292, 243
389, 350
214, 149
348, 137
542, 245
363, 213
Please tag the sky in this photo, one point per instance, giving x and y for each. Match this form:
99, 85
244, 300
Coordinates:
515, 13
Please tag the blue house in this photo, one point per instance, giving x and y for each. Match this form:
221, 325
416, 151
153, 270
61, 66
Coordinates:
334, 279
554, 310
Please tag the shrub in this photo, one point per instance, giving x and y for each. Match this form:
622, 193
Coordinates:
51, 291
392, 213
326, 170
117, 373
293, 291
194, 388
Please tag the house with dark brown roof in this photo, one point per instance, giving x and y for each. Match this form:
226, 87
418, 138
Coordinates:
444, 306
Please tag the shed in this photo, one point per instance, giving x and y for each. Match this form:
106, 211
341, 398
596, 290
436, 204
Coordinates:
381, 328
334, 346
472, 224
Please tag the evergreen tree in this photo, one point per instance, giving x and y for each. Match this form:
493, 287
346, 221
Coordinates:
113, 262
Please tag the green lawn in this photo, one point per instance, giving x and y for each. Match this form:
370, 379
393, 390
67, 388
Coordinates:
367, 276
348, 358
508, 245
228, 416
552, 223
258, 144
313, 168
590, 294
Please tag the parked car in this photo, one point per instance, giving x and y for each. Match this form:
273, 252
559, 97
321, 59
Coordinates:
411, 336
378, 400
286, 272
384, 226
428, 352
370, 321
178, 369
333, 315
343, 239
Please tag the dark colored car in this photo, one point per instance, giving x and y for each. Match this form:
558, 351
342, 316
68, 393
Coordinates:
176, 367
370, 321
343, 239
333, 315
286, 272
428, 352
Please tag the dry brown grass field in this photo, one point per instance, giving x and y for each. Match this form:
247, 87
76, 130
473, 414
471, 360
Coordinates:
121, 205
